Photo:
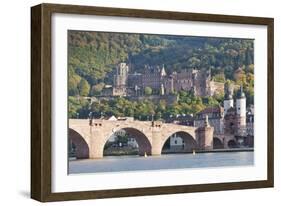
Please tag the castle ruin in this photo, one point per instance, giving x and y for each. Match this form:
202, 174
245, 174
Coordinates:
133, 84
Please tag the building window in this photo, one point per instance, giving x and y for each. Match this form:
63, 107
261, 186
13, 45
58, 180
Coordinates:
176, 142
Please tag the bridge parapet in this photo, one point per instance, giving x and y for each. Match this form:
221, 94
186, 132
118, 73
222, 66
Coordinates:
157, 124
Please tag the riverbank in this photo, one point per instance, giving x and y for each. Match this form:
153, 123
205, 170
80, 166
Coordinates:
135, 151
120, 151
211, 151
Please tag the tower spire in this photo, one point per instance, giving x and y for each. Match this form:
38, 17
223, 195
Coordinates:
241, 93
228, 97
241, 106
163, 72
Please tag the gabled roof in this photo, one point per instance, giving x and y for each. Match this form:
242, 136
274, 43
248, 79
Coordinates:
111, 118
208, 110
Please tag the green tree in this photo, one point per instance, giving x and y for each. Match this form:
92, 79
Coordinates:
77, 107
193, 62
84, 88
250, 95
219, 77
73, 82
123, 139
147, 91
250, 68
96, 89
162, 105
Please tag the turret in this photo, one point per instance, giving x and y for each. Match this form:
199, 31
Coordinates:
241, 106
228, 97
163, 72
120, 79
122, 69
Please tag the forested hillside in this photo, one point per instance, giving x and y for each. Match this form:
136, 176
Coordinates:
93, 57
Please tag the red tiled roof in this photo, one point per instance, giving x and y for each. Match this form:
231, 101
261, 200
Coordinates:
216, 109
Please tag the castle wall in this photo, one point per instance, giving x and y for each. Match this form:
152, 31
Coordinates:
152, 80
227, 104
169, 86
183, 81
200, 83
216, 88
197, 81
135, 80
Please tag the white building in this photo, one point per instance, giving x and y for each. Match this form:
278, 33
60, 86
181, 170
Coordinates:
176, 142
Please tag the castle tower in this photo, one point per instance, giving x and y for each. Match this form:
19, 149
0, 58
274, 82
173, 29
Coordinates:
241, 107
122, 71
228, 97
169, 85
207, 88
121, 80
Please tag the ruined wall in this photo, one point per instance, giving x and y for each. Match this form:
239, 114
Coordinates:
216, 88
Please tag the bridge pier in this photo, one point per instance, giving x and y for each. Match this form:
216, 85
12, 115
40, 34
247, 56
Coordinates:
204, 136
156, 138
96, 144
156, 148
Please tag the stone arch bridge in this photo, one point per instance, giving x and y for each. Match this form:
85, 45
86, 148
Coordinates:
90, 137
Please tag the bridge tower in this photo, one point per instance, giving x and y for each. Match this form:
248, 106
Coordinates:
204, 136
228, 97
241, 108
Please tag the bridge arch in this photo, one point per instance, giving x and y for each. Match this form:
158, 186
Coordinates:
217, 143
81, 146
189, 141
144, 143
232, 143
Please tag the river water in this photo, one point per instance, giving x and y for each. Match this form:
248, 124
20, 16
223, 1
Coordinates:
168, 161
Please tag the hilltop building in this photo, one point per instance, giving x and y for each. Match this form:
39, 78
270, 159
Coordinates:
133, 84
121, 80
